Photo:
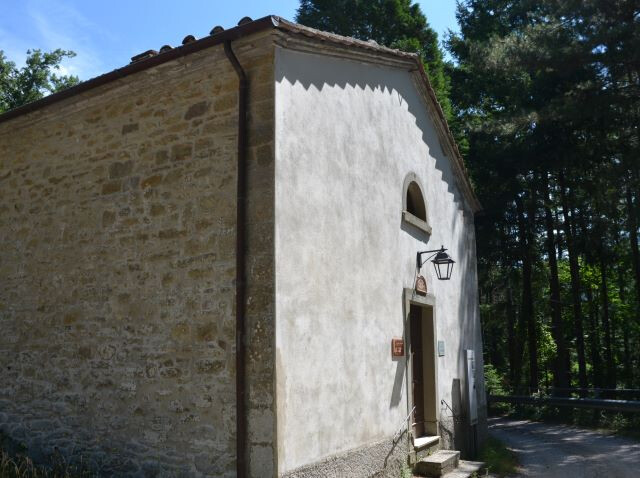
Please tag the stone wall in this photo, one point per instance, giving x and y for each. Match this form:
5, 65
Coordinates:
117, 267
260, 312
383, 459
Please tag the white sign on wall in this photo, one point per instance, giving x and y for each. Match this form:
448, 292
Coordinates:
471, 387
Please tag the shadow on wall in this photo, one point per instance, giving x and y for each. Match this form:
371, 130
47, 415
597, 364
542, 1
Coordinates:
307, 71
452, 419
471, 338
414, 232
396, 393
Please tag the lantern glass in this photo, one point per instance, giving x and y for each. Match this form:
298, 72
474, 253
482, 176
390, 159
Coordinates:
443, 264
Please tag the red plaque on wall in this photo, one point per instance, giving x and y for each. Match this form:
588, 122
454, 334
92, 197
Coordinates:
397, 347
421, 285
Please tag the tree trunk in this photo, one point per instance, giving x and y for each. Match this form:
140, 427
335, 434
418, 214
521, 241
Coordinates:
594, 341
626, 325
606, 323
628, 369
633, 239
561, 373
575, 285
527, 316
532, 326
559, 244
514, 363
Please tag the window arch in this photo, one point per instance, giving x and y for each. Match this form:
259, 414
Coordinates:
414, 206
415, 201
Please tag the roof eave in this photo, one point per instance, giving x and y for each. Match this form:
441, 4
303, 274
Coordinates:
177, 52
473, 200
410, 60
265, 23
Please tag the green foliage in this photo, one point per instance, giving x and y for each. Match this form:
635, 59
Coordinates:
546, 102
394, 23
16, 463
546, 346
36, 79
493, 382
498, 459
405, 472
21, 466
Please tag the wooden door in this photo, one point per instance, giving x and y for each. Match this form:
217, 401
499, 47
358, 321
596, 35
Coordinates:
417, 370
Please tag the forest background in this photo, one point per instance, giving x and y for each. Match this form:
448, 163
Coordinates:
544, 99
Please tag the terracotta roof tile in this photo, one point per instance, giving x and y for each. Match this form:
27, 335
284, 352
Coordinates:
246, 26
143, 56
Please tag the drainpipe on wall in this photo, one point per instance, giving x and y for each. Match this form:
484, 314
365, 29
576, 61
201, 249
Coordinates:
241, 213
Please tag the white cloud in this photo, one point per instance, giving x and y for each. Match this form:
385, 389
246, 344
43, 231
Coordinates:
15, 49
59, 25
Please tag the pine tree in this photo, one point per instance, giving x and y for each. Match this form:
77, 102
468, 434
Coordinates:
393, 23
546, 95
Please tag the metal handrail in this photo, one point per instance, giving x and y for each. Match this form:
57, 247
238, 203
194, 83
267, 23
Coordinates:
625, 390
598, 404
529, 391
405, 422
456, 418
596, 391
444, 402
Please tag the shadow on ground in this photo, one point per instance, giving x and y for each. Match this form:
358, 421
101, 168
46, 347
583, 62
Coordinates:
562, 451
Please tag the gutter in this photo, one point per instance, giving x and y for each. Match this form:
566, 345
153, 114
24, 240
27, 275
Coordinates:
241, 215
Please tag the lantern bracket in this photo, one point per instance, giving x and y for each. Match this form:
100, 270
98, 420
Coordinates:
420, 262
441, 261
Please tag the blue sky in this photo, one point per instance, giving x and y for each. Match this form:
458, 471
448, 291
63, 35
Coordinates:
106, 34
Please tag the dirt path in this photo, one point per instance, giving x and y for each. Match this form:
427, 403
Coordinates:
559, 451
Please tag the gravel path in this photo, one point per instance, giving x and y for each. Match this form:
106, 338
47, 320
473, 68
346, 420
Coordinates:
559, 451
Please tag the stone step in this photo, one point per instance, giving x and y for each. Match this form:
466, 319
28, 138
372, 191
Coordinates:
423, 442
437, 464
465, 469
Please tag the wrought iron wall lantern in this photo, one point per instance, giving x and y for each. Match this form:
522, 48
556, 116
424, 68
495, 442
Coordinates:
442, 262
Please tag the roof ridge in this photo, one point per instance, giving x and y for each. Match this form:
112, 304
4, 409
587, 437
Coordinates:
293, 27
149, 59
246, 26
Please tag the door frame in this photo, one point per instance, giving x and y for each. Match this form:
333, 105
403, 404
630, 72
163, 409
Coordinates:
432, 418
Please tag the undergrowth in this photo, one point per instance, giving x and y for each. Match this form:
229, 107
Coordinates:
21, 466
14, 463
498, 459
405, 472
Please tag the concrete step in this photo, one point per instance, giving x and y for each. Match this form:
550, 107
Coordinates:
437, 464
423, 442
465, 469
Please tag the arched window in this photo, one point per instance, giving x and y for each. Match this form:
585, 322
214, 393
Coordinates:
414, 206
415, 201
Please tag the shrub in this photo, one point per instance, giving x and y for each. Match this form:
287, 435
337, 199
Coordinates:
498, 458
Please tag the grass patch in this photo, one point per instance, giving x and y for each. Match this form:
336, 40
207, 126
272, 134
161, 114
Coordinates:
14, 463
21, 466
498, 459
405, 472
